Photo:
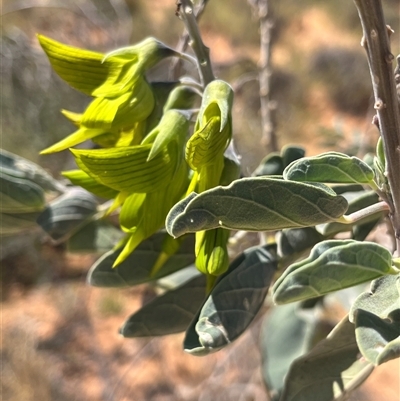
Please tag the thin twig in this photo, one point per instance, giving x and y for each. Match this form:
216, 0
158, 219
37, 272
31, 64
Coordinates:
380, 60
186, 13
268, 106
176, 63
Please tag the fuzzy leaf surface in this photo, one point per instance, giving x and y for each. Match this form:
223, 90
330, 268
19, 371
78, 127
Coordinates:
19, 167
329, 370
233, 303
66, 214
378, 339
20, 195
169, 313
94, 237
331, 266
330, 167
256, 204
136, 268
376, 314
286, 334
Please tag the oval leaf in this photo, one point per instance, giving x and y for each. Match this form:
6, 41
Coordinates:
256, 204
331, 266
331, 369
17, 166
95, 237
332, 167
233, 302
65, 215
376, 314
168, 314
136, 268
20, 195
287, 333
378, 339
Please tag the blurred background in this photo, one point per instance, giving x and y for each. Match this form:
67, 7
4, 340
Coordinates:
60, 337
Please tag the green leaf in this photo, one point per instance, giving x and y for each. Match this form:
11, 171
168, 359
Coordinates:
330, 167
84, 180
94, 237
360, 201
343, 188
169, 313
287, 333
18, 167
12, 224
20, 195
256, 204
79, 136
270, 165
330, 370
136, 268
296, 240
67, 214
376, 314
82, 69
291, 153
233, 302
378, 339
126, 168
331, 266
382, 299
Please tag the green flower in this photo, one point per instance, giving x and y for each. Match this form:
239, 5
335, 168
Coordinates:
213, 132
205, 155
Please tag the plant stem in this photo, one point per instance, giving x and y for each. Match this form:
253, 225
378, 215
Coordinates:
268, 106
176, 63
380, 60
201, 51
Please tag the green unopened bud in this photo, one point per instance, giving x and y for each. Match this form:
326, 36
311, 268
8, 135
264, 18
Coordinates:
173, 127
211, 251
182, 97
213, 129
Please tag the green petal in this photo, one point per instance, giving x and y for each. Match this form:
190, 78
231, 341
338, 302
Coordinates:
82, 69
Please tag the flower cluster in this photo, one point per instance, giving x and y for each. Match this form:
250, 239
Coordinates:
147, 161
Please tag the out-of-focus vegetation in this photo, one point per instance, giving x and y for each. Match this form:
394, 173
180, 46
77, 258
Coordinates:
320, 82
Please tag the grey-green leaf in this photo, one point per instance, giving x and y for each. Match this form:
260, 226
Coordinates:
95, 237
20, 195
378, 339
169, 313
356, 203
330, 167
382, 299
331, 266
233, 302
256, 204
19, 167
296, 240
329, 370
67, 214
287, 333
136, 268
376, 314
